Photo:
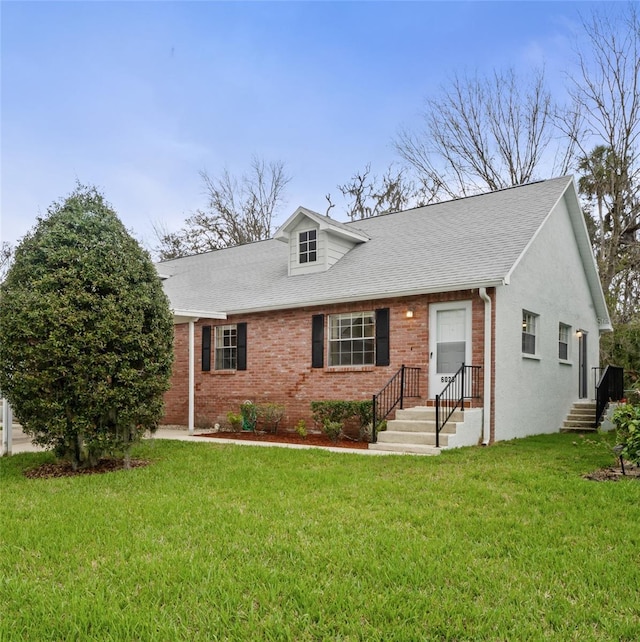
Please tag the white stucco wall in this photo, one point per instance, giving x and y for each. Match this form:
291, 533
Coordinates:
469, 432
534, 395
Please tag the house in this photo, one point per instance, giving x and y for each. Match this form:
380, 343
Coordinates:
505, 282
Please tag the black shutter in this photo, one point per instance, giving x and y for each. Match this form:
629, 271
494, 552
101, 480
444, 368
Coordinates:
241, 346
382, 337
317, 341
206, 347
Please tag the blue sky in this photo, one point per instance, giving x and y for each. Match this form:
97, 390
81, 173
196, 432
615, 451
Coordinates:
138, 97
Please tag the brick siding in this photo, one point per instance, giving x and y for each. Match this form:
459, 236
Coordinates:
279, 361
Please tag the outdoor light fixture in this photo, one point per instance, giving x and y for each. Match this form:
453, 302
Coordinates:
409, 313
579, 333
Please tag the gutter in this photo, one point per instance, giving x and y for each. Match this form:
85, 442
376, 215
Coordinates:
486, 414
369, 296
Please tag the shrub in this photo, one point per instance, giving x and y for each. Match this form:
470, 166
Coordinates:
270, 415
86, 334
235, 420
333, 429
626, 418
342, 411
301, 428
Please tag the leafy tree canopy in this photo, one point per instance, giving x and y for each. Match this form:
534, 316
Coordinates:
85, 332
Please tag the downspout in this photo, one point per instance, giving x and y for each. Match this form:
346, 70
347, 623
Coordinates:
191, 377
486, 414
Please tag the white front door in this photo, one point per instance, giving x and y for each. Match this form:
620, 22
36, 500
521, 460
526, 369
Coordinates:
449, 342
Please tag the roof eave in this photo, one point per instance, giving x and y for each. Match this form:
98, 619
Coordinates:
371, 296
185, 316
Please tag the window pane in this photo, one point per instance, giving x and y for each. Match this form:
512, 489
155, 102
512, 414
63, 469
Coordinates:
351, 339
528, 343
226, 347
307, 247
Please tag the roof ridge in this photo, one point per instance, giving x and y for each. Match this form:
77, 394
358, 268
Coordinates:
463, 198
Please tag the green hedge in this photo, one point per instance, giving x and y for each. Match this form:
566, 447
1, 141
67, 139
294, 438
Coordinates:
341, 411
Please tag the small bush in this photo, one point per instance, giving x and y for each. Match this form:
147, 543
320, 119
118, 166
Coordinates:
627, 422
301, 429
235, 421
333, 430
270, 415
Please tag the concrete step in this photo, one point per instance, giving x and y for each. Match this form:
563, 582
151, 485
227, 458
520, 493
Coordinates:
405, 449
583, 412
413, 438
408, 425
578, 429
577, 423
580, 418
425, 413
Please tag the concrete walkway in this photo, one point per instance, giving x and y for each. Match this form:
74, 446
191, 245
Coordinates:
21, 443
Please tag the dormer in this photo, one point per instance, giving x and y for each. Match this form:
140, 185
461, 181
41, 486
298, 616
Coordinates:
316, 242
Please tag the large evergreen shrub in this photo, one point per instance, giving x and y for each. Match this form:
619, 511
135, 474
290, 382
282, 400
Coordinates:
86, 336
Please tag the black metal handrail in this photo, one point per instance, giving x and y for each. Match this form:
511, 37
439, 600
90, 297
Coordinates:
465, 384
609, 388
404, 384
597, 373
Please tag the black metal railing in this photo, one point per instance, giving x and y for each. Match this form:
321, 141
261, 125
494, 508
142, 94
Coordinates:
465, 384
610, 387
404, 384
597, 372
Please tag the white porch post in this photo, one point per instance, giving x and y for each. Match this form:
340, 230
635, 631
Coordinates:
191, 377
7, 427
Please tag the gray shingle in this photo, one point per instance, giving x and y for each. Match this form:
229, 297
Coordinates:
473, 241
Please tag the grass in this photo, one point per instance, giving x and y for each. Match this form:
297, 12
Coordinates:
238, 543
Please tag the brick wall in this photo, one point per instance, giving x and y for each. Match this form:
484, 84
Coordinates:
279, 361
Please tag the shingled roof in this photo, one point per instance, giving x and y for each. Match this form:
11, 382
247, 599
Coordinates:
456, 245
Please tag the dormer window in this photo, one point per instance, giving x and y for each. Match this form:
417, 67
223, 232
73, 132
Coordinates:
308, 246
316, 242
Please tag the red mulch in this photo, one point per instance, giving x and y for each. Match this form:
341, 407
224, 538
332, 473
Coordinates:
315, 439
64, 469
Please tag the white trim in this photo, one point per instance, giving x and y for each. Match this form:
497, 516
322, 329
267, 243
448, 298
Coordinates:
372, 296
435, 387
283, 233
186, 316
486, 402
192, 377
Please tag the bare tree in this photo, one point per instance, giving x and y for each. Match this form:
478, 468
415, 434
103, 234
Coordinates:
238, 211
6, 255
604, 123
481, 133
369, 195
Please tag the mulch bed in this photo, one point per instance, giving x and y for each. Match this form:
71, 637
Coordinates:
64, 469
614, 473
314, 439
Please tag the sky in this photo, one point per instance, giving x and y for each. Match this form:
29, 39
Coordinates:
137, 98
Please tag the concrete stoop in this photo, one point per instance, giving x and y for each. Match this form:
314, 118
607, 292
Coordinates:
580, 417
413, 431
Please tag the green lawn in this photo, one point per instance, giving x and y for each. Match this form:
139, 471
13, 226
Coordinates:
238, 543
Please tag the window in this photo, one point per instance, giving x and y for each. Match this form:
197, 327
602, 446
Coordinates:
352, 339
308, 246
529, 328
564, 332
226, 347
